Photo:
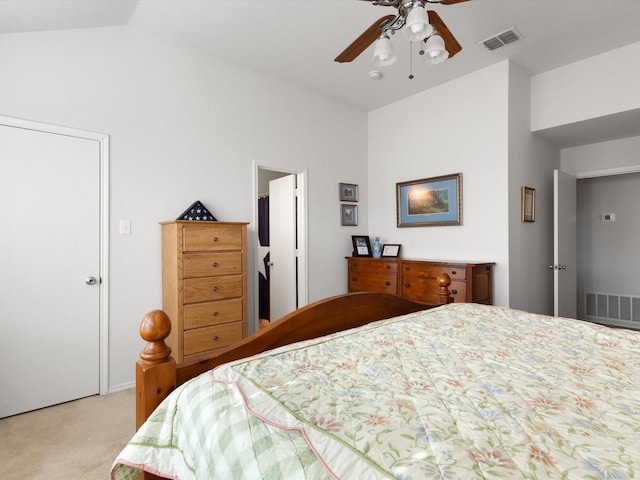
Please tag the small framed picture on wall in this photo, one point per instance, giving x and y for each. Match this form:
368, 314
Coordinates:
348, 192
528, 204
349, 215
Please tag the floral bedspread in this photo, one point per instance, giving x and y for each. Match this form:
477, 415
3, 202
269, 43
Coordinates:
461, 391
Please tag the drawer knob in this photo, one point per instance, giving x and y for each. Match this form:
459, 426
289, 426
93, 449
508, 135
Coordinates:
454, 292
353, 279
387, 283
216, 338
407, 285
388, 267
216, 239
216, 314
215, 289
216, 264
453, 272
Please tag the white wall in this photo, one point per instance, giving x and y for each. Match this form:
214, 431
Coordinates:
602, 85
614, 157
460, 126
531, 163
184, 127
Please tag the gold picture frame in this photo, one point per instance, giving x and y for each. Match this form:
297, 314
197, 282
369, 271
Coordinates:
528, 213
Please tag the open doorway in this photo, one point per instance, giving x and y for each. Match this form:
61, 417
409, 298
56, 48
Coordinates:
281, 242
608, 232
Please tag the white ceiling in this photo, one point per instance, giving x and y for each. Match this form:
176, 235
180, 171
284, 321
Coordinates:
297, 40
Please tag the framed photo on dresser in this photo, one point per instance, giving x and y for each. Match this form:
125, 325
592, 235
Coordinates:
391, 250
361, 246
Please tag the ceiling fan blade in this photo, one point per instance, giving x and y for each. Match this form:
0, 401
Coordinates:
452, 2
361, 43
450, 42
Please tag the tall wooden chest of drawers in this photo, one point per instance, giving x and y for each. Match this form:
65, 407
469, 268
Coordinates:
204, 285
415, 280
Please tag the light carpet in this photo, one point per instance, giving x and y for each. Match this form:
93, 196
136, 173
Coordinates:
74, 440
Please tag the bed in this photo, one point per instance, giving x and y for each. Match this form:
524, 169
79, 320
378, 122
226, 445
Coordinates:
457, 391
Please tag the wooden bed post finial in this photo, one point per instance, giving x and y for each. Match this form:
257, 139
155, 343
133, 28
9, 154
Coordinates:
444, 280
155, 327
156, 369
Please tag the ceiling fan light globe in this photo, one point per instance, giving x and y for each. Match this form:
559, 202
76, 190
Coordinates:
417, 26
435, 50
383, 54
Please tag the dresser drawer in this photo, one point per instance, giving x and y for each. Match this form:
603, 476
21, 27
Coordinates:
211, 237
373, 282
210, 338
211, 264
424, 289
208, 289
374, 266
212, 313
432, 271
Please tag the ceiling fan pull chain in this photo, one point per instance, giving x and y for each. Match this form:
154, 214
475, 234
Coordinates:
410, 60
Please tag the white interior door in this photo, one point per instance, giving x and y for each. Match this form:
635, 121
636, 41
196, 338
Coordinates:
283, 281
565, 291
49, 250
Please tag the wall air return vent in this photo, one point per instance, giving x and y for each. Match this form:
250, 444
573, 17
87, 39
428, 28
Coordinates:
501, 39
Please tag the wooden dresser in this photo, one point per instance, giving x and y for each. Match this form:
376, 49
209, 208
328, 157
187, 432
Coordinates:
204, 285
415, 280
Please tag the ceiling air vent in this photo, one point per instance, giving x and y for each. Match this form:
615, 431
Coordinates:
501, 39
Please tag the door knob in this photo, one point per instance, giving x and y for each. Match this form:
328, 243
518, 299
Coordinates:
90, 280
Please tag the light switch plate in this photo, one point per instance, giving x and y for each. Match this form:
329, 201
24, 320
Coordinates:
125, 227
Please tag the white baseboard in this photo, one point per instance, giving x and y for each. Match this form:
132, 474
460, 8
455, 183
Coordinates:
119, 388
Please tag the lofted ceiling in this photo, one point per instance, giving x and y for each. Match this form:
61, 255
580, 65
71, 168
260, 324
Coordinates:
297, 40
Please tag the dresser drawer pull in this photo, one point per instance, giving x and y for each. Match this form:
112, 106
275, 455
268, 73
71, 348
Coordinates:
216, 338
216, 314
216, 264
454, 292
407, 285
387, 283
453, 272
216, 239
353, 279
388, 267
215, 289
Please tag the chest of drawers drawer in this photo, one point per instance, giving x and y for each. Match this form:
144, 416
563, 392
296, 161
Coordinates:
208, 289
211, 264
373, 282
419, 269
214, 237
371, 265
210, 338
424, 289
206, 314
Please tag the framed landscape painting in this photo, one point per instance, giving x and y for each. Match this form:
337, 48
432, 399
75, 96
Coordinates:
430, 202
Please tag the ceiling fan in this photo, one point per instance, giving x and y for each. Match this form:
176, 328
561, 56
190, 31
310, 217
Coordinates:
419, 24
